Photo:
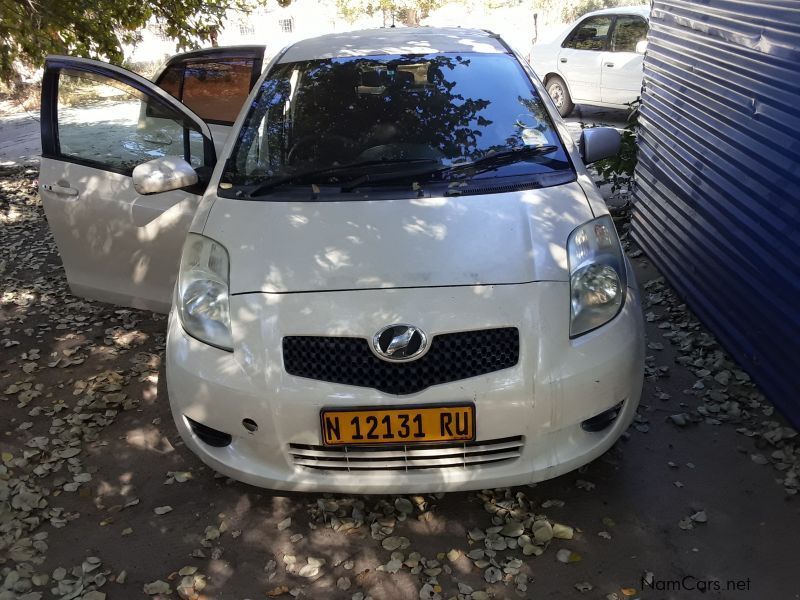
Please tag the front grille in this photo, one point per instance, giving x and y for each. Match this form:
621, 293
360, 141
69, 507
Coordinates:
452, 356
407, 458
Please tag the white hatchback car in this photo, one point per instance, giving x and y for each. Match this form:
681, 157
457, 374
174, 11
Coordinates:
396, 276
597, 60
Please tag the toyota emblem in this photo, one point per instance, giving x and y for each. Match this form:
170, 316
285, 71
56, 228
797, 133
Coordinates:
400, 342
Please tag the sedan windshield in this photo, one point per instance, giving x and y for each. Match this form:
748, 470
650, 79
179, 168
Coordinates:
390, 117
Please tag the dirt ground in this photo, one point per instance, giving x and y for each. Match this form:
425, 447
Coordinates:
100, 499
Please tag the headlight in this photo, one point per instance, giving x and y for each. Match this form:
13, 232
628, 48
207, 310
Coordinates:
203, 305
596, 275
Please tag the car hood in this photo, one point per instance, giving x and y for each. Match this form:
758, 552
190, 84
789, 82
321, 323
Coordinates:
505, 238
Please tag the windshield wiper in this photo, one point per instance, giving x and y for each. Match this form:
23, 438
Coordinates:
500, 158
271, 184
367, 178
484, 163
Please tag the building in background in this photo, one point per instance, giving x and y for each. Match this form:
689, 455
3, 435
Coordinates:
718, 201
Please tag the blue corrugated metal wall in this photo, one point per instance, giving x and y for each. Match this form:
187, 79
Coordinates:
718, 180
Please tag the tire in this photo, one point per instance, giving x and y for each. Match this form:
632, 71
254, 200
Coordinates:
560, 94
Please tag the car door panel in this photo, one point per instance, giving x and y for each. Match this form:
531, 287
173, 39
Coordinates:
116, 245
581, 56
581, 71
622, 66
621, 81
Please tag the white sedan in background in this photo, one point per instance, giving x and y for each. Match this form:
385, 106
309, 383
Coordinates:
597, 60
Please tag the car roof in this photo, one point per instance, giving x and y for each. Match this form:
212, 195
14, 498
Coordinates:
642, 10
395, 40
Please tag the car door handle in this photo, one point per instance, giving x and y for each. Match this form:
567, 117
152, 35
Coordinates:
563, 60
60, 190
609, 64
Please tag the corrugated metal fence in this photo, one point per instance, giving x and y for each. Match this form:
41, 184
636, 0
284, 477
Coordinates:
718, 197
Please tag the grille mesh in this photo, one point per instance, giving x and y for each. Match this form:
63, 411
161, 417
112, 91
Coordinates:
407, 458
452, 356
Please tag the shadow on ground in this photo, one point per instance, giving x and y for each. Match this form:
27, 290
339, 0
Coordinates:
99, 496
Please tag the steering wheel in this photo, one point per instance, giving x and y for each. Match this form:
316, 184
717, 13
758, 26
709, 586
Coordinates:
330, 138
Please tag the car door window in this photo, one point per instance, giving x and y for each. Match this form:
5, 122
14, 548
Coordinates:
628, 31
590, 34
106, 123
214, 89
171, 80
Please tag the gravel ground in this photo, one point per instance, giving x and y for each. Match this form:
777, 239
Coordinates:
99, 498
20, 136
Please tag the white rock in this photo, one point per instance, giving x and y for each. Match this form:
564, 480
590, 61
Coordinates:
156, 587
563, 532
563, 555
476, 554
542, 531
393, 566
308, 571
403, 505
395, 542
512, 529
699, 517
492, 575
343, 583
427, 592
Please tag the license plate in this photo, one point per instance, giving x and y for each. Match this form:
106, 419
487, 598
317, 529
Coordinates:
455, 422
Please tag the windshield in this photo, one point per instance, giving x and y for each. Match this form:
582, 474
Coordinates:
313, 120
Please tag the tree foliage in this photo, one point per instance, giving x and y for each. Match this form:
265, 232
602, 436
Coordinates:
32, 29
619, 169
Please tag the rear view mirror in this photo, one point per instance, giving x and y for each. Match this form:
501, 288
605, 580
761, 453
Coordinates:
163, 174
641, 46
598, 143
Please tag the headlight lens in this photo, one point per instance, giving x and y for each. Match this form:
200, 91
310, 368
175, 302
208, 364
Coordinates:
203, 305
596, 275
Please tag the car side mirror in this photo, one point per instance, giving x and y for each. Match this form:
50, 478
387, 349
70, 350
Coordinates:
641, 46
597, 143
163, 174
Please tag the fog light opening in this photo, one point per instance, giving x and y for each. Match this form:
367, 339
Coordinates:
209, 435
603, 420
250, 425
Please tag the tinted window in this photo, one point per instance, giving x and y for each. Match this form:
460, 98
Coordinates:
628, 31
216, 90
447, 108
170, 81
104, 121
591, 34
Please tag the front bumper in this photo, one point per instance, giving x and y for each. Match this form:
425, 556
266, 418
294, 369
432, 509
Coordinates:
557, 384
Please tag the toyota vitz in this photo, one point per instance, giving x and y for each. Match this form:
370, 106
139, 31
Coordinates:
397, 276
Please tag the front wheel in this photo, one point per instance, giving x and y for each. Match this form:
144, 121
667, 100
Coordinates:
560, 94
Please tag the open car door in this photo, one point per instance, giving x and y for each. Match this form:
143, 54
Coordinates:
100, 122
